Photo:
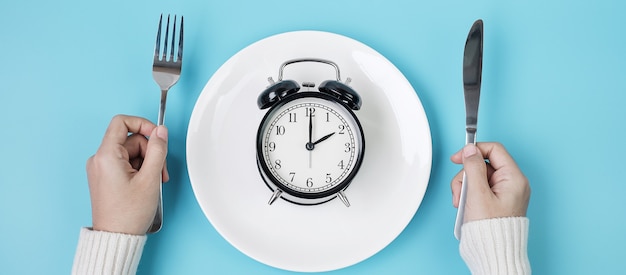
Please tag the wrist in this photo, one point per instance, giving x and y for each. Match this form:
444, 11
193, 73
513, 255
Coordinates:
112, 227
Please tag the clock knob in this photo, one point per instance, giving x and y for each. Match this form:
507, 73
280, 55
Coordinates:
276, 92
341, 92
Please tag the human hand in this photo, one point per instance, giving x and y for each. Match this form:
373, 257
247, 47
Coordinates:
125, 173
494, 189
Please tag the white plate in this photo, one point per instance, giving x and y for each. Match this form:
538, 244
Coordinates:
385, 194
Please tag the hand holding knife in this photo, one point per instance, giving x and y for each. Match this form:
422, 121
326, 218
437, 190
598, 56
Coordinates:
472, 74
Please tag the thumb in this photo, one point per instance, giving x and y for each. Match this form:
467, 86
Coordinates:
476, 172
154, 161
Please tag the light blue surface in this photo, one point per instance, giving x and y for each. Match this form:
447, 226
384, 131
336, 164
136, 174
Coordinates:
553, 93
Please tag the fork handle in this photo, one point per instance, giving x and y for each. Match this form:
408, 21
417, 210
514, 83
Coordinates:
161, 117
157, 223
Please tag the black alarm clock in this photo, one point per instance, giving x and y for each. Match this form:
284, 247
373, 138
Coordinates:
310, 144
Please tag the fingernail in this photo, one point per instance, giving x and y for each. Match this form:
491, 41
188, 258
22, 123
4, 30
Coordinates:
469, 150
161, 132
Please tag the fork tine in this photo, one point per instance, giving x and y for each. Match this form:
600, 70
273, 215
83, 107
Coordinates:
167, 31
157, 47
180, 41
173, 39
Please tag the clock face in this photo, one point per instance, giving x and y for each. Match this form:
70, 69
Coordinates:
310, 146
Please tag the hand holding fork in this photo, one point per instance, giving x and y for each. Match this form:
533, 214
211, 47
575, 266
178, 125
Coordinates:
166, 72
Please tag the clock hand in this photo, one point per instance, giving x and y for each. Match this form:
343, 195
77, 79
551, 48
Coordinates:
310, 145
323, 138
310, 127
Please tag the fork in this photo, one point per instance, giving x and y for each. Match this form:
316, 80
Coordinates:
166, 72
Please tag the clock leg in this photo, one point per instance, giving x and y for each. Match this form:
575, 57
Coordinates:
343, 198
275, 196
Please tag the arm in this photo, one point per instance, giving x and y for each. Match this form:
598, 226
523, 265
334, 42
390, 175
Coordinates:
495, 231
124, 177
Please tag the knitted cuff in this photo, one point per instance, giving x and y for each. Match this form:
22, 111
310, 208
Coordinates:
496, 246
101, 252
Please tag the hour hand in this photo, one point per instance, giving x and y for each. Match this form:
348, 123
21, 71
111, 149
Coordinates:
323, 138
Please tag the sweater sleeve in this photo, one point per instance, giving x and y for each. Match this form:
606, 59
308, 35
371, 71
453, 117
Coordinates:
496, 246
101, 252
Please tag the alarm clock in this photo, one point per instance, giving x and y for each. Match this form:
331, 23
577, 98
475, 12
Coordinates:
310, 144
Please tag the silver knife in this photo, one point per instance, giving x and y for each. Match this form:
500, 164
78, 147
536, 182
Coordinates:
472, 73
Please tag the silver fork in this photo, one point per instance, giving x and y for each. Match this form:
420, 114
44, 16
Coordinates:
166, 72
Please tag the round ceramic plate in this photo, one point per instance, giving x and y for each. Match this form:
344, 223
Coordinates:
384, 195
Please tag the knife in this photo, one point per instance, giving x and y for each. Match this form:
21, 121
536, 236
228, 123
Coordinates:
472, 73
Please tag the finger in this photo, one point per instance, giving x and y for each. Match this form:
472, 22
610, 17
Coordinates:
490, 171
121, 125
455, 186
457, 158
136, 145
165, 174
497, 155
476, 171
154, 161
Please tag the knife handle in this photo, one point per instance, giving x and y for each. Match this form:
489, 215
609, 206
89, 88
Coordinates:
470, 138
460, 213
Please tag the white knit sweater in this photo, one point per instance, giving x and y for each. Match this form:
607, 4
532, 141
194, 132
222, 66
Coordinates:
107, 253
496, 246
493, 246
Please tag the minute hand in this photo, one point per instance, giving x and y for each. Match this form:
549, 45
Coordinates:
323, 138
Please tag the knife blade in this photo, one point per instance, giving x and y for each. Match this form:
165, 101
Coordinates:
472, 76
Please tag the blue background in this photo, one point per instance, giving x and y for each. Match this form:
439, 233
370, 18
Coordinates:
553, 93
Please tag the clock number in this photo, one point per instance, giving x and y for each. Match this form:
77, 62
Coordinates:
292, 117
309, 182
271, 146
310, 112
327, 117
328, 178
280, 130
340, 165
293, 175
341, 129
277, 164
348, 147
